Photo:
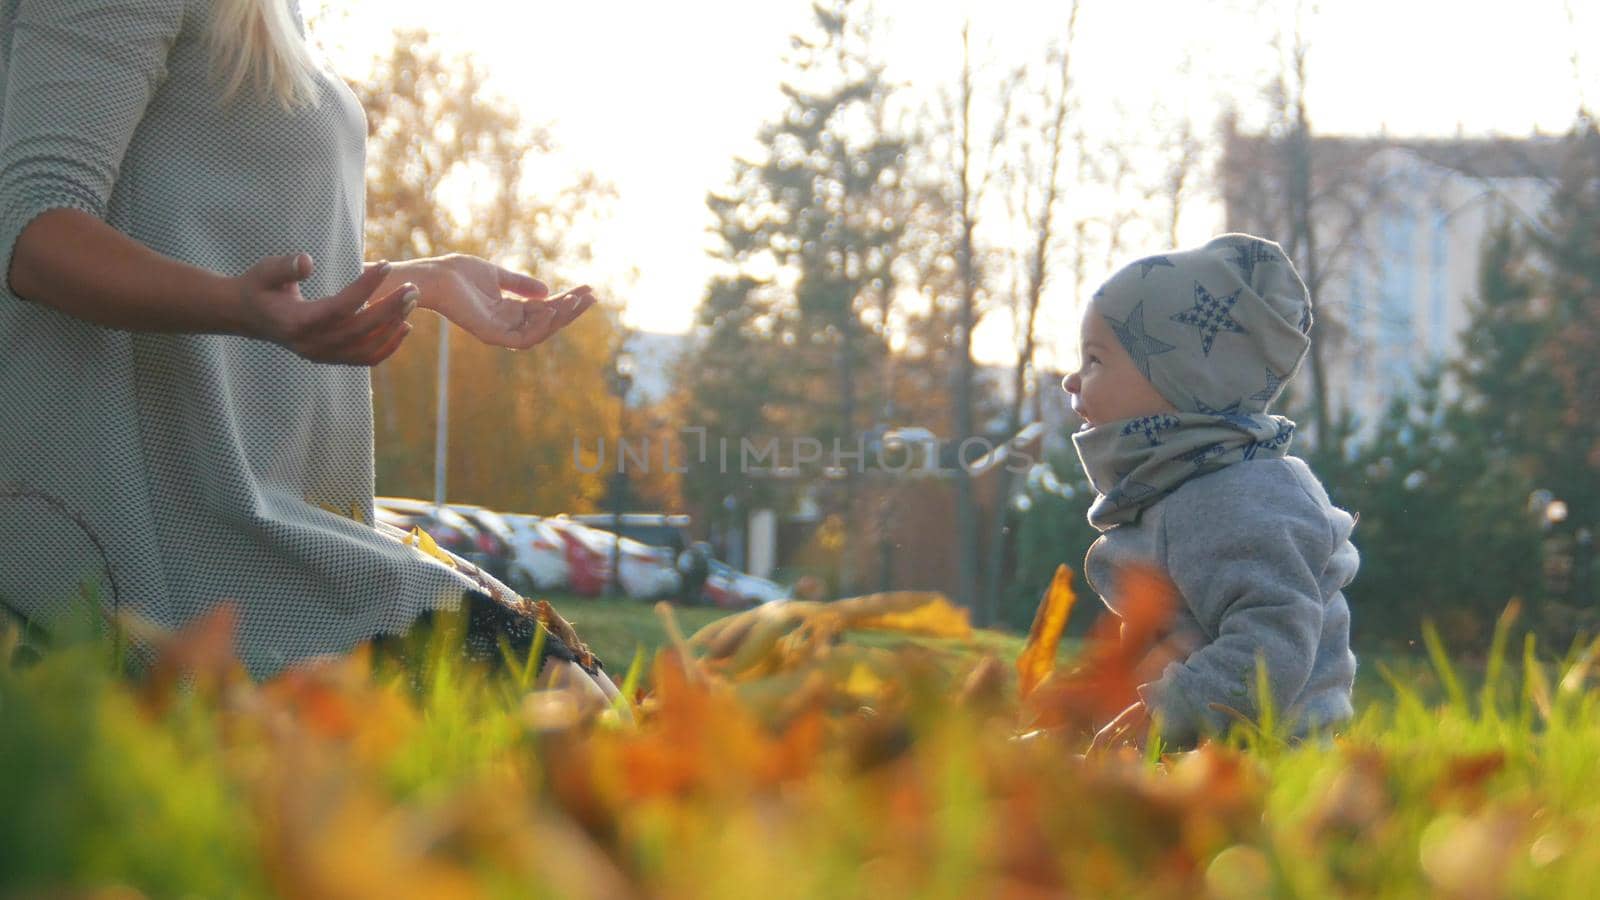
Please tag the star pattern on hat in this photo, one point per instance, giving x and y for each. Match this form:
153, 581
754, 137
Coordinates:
1211, 315
1151, 427
1140, 345
1249, 251
1274, 384
1150, 263
1242, 420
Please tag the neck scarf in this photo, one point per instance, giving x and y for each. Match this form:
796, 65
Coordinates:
1135, 462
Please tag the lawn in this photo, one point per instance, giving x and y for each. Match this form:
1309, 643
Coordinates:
846, 759
615, 629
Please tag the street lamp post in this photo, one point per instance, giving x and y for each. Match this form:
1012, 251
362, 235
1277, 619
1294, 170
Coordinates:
441, 423
620, 383
1557, 553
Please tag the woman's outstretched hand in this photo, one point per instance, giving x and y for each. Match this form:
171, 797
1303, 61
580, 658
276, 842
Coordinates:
495, 305
349, 328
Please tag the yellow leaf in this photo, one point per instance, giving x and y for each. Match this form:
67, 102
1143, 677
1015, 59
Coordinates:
422, 541
935, 616
354, 512
863, 682
867, 606
1038, 657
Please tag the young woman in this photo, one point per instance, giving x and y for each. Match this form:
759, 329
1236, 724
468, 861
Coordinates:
186, 330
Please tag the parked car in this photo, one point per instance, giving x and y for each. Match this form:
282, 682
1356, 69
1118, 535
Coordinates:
448, 528
588, 556
729, 588
494, 537
648, 573
655, 529
756, 590
718, 588
538, 555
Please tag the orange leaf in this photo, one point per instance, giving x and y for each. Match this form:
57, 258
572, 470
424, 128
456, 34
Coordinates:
203, 648
1038, 657
1106, 679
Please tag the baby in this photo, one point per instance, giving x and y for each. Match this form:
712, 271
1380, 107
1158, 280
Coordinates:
1182, 356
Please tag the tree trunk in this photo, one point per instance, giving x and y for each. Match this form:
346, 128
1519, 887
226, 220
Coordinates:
1303, 249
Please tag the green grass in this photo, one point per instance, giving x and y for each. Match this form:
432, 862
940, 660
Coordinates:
354, 781
615, 629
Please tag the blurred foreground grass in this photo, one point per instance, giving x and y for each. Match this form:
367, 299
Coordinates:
881, 766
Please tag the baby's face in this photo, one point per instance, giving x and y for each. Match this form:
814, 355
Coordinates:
1108, 387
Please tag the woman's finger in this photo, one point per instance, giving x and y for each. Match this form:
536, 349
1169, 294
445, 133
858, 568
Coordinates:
364, 345
353, 341
281, 271
566, 306
522, 285
321, 313
580, 308
369, 351
394, 306
538, 323
390, 346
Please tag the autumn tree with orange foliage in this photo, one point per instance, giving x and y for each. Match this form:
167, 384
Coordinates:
447, 171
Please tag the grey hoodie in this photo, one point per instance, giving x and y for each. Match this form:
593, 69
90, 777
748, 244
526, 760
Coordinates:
1260, 557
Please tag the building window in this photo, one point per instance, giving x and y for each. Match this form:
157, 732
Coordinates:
1396, 331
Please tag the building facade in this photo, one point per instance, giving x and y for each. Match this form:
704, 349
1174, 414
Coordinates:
1399, 227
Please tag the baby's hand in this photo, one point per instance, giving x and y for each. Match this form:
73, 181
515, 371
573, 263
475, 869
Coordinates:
1131, 727
1171, 649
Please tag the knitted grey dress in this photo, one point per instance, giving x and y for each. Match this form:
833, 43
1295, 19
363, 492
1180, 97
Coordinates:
197, 462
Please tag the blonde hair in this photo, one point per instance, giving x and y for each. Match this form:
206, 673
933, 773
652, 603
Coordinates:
257, 42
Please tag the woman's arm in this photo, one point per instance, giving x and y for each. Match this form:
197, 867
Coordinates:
70, 260
79, 75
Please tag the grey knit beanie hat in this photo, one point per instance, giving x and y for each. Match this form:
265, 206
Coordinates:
1217, 330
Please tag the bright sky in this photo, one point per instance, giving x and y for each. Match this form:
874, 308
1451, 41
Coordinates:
658, 98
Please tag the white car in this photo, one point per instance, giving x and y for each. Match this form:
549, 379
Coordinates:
729, 588
757, 590
648, 572
538, 555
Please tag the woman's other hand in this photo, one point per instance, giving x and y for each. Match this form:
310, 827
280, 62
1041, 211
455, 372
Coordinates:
349, 328
495, 305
